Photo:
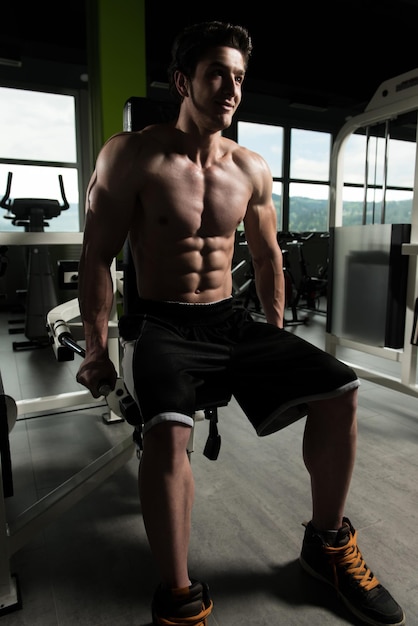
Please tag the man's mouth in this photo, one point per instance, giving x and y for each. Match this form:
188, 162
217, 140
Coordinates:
227, 106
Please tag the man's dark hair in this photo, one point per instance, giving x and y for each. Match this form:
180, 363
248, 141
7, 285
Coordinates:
194, 41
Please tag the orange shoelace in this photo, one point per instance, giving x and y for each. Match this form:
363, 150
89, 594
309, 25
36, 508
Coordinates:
350, 558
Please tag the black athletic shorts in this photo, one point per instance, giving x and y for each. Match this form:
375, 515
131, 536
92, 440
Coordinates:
179, 357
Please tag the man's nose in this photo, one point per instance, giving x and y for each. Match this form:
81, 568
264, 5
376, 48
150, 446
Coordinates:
229, 86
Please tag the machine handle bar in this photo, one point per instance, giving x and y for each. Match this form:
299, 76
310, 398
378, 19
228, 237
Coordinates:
66, 340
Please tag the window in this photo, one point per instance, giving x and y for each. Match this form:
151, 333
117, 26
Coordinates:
310, 153
38, 142
268, 141
301, 197
378, 175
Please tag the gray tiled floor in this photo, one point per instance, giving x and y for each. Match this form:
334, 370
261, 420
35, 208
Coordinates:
91, 565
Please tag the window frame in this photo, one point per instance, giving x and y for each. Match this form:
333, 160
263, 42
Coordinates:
83, 147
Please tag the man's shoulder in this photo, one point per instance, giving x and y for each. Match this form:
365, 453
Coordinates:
148, 140
246, 158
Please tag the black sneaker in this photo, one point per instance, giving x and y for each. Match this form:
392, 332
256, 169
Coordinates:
342, 566
182, 607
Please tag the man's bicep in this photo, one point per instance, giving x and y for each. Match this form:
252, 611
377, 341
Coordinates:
107, 221
114, 180
260, 225
110, 199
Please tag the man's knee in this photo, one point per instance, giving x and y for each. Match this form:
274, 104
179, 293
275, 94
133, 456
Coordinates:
341, 404
167, 436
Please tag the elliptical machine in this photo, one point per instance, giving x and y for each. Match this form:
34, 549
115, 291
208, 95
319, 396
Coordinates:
33, 214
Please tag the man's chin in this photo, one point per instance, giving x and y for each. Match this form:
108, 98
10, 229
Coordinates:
225, 120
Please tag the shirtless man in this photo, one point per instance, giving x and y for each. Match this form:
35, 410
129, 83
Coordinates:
179, 192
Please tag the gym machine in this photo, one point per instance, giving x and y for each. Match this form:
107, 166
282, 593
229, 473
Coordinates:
63, 326
306, 282
243, 278
376, 256
33, 214
65, 331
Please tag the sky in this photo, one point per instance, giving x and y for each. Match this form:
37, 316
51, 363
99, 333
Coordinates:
37, 126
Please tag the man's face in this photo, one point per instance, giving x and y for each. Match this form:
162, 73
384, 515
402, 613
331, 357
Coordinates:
215, 90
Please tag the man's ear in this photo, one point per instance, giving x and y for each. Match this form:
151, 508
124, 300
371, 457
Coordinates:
181, 82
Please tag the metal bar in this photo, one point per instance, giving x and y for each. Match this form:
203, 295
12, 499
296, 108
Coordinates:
60, 401
366, 177
385, 173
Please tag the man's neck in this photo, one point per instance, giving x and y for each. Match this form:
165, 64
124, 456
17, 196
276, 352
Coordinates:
202, 146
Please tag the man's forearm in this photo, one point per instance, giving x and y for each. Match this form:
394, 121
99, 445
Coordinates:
96, 300
270, 290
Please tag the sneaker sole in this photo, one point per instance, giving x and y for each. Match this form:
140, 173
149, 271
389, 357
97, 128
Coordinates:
169, 622
203, 620
351, 608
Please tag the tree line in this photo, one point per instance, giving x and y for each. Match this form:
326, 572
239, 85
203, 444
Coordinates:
309, 214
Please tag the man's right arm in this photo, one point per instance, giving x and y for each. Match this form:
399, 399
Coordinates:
110, 202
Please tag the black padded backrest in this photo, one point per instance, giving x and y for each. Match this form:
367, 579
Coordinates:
130, 291
139, 112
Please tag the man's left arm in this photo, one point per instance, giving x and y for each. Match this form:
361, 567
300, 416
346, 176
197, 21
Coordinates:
260, 225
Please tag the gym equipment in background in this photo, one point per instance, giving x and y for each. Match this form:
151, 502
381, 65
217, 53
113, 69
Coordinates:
118, 400
243, 277
33, 214
373, 273
16, 533
4, 261
305, 266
